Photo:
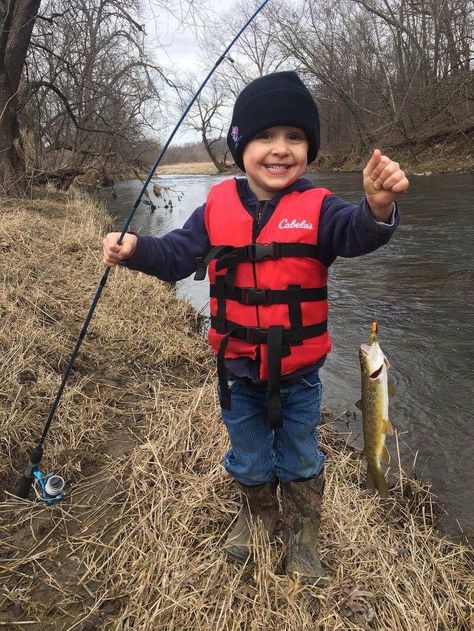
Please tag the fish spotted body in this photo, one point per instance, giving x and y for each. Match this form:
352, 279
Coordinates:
374, 406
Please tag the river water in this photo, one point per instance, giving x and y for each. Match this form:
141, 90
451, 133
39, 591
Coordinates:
420, 290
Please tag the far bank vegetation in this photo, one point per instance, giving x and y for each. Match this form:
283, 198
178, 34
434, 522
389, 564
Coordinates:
82, 95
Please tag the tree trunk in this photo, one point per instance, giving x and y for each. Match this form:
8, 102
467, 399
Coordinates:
16, 25
219, 165
12, 167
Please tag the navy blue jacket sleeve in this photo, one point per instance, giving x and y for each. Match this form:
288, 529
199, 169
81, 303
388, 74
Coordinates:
172, 256
351, 230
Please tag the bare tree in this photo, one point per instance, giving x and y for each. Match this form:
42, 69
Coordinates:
75, 82
256, 53
328, 53
391, 71
17, 20
93, 83
206, 117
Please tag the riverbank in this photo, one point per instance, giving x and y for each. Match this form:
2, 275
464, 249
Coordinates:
137, 542
426, 159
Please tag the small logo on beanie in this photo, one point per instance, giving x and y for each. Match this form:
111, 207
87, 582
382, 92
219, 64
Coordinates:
235, 135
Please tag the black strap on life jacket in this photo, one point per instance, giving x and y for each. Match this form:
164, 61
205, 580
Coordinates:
277, 338
278, 347
254, 296
229, 256
274, 341
203, 262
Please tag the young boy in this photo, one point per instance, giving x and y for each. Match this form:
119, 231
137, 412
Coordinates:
268, 241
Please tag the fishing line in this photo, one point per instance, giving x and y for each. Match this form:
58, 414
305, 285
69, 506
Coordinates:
32, 471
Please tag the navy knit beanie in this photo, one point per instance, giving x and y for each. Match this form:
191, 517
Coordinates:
280, 98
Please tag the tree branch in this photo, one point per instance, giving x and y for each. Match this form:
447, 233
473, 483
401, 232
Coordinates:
34, 86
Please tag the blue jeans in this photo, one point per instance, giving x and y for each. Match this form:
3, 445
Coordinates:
258, 453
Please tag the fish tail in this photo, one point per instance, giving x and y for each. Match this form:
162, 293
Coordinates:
376, 480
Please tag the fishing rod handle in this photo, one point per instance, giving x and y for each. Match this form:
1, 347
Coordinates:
27, 478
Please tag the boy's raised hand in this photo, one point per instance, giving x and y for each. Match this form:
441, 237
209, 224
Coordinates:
384, 182
114, 253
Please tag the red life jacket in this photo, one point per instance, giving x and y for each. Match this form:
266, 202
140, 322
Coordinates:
268, 294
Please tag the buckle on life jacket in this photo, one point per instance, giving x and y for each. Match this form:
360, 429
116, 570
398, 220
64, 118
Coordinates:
258, 251
254, 335
254, 296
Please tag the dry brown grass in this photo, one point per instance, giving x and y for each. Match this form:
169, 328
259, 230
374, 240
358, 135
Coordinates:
188, 168
136, 544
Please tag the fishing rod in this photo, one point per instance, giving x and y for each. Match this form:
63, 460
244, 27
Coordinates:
51, 487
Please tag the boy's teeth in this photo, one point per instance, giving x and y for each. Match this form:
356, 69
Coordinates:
274, 167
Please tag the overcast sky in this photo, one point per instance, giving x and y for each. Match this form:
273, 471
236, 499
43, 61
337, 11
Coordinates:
180, 51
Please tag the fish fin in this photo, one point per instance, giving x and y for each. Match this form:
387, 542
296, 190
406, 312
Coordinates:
385, 455
388, 428
388, 365
381, 485
376, 480
392, 388
359, 405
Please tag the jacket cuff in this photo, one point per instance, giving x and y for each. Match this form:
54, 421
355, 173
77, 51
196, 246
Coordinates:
390, 224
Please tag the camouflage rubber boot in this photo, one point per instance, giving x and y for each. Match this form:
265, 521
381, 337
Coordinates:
257, 502
302, 516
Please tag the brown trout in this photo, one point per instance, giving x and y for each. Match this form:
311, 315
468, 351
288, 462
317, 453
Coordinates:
375, 386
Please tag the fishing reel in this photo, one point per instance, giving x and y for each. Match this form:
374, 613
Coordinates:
49, 488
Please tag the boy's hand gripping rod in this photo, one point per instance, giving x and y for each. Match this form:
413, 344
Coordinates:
37, 452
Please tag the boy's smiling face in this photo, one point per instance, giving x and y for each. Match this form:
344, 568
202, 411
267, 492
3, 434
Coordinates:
274, 159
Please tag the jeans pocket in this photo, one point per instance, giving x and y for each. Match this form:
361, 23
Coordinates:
311, 381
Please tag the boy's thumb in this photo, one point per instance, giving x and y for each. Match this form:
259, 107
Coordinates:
123, 253
126, 248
